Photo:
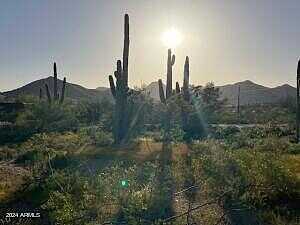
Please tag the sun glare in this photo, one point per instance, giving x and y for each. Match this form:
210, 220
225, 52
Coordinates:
171, 38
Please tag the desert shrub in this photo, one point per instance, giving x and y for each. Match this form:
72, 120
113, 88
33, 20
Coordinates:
43, 117
39, 118
40, 148
31, 157
195, 127
294, 149
67, 142
15, 133
256, 178
103, 139
222, 133
271, 181
273, 144
96, 135
210, 162
118, 193
7, 153
254, 132
176, 134
95, 113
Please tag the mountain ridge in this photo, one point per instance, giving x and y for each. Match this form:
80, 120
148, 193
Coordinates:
250, 92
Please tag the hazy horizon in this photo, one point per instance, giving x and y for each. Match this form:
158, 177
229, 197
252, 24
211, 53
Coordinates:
227, 42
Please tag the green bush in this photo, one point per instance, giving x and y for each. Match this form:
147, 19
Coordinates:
294, 149
258, 178
43, 117
31, 158
97, 136
176, 134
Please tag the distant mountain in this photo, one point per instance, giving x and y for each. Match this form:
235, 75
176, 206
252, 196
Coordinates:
153, 90
74, 92
251, 93
102, 88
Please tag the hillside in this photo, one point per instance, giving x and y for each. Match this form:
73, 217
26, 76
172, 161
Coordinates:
74, 92
250, 93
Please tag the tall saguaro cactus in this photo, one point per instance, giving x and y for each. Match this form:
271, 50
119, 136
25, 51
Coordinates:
298, 109
55, 82
186, 79
169, 90
170, 64
56, 97
185, 92
120, 90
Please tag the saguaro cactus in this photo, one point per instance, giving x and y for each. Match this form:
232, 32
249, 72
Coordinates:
62, 97
169, 90
186, 82
120, 90
170, 63
186, 79
55, 82
185, 92
56, 96
298, 109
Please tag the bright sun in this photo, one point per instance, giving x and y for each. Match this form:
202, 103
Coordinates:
171, 38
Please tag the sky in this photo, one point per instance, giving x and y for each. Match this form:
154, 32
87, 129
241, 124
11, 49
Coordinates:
227, 41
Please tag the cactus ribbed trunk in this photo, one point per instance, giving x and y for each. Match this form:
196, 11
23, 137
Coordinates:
126, 49
298, 109
48, 93
161, 91
238, 104
41, 94
120, 90
169, 90
177, 88
55, 82
186, 93
62, 98
170, 63
186, 79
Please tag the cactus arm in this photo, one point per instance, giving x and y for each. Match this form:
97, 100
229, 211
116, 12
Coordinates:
177, 88
161, 91
112, 85
55, 82
48, 93
119, 70
63, 90
173, 60
126, 49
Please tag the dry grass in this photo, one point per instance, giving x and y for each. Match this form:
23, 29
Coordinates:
293, 163
12, 178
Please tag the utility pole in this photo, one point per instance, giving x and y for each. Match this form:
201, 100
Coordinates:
238, 103
298, 115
